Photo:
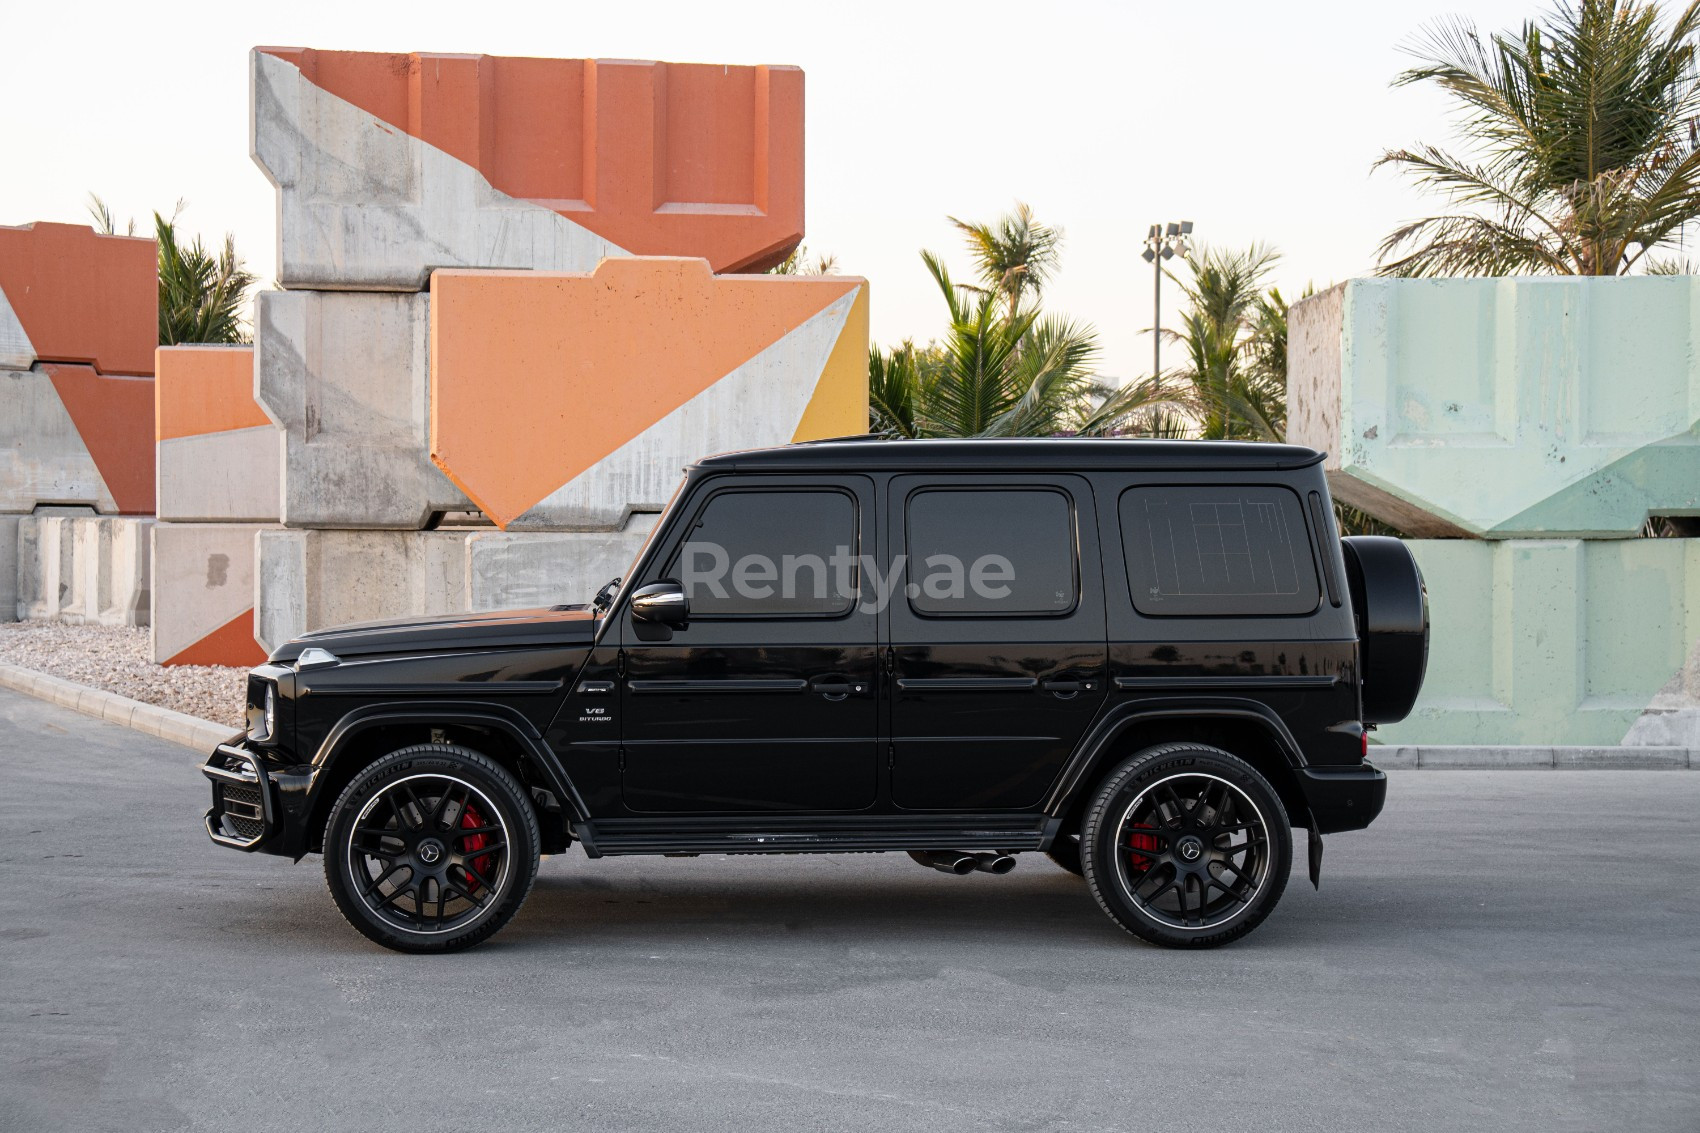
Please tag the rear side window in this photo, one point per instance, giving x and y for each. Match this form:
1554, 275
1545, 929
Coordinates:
987, 553
770, 554
1201, 551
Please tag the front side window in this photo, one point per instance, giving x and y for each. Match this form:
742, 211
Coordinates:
983, 552
770, 554
1203, 551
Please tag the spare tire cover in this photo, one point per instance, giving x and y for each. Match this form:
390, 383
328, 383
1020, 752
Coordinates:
1390, 604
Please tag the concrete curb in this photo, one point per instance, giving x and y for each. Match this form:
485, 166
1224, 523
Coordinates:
178, 727
1461, 758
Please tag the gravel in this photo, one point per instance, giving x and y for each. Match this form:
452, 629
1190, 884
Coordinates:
117, 659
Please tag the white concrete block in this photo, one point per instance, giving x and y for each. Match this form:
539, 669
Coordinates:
203, 582
43, 460
509, 570
84, 569
310, 580
345, 376
16, 350
9, 567
224, 477
362, 205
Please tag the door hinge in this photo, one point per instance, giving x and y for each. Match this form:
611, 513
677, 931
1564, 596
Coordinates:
890, 756
622, 760
620, 663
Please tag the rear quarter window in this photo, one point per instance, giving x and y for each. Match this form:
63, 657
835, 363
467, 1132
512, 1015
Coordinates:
1206, 551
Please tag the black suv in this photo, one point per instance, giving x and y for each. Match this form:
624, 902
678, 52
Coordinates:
1144, 659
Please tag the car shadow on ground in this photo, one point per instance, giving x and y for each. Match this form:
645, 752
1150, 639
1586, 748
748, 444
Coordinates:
655, 903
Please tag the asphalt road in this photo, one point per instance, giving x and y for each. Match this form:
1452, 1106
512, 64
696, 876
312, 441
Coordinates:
1504, 951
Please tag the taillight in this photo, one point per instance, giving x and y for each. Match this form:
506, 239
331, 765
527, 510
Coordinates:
1363, 746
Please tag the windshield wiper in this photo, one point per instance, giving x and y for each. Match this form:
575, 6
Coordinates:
605, 597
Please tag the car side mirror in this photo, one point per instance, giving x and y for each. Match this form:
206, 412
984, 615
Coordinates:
662, 603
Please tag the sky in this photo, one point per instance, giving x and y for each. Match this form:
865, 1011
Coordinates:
1256, 121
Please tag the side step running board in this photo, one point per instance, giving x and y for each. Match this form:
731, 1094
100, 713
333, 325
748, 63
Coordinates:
626, 836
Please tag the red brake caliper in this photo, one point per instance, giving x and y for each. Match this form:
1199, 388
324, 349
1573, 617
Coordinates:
472, 843
1146, 847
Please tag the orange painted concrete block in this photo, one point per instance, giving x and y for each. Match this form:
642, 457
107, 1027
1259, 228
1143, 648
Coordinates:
217, 451
643, 158
68, 294
570, 400
114, 418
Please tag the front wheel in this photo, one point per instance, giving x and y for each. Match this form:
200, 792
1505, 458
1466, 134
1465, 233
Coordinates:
431, 849
1186, 846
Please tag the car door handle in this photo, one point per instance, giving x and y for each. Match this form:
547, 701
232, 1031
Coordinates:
1068, 686
835, 689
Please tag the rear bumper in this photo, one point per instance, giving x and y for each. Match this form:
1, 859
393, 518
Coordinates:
1343, 798
255, 807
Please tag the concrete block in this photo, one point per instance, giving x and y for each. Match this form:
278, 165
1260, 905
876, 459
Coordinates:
344, 375
509, 571
9, 567
83, 569
218, 453
68, 294
567, 401
309, 580
203, 594
1551, 641
43, 460
312, 580
1503, 408
389, 165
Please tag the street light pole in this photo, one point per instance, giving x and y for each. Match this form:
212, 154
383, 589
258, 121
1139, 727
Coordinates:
1162, 243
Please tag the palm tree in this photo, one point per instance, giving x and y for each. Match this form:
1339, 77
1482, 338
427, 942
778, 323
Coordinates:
1004, 367
1015, 255
799, 263
1234, 336
1581, 152
202, 294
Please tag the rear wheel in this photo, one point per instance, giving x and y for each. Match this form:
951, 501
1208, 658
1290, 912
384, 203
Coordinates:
1186, 846
431, 849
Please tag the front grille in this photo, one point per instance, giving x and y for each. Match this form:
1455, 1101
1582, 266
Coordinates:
241, 808
240, 797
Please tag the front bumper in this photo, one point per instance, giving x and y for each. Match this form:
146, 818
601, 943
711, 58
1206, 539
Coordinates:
255, 805
1343, 798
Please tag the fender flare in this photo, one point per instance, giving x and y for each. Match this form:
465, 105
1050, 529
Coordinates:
498, 716
1111, 724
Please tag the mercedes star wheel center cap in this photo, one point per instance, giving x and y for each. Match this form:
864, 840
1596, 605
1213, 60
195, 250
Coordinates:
1190, 849
430, 851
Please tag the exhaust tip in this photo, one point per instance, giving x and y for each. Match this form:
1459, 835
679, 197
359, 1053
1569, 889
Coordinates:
999, 864
946, 861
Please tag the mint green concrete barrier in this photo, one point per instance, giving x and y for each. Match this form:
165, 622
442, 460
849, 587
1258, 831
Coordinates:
1559, 641
1503, 408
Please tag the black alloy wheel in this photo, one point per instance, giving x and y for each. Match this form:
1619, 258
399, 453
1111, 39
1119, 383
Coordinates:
431, 849
1186, 846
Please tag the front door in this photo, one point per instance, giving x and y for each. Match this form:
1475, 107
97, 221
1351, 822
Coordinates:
766, 700
997, 638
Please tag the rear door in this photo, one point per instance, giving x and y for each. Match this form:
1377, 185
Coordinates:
997, 645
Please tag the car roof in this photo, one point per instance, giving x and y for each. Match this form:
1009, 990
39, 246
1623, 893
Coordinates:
1014, 453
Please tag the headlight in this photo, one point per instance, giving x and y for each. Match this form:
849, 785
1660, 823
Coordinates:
262, 719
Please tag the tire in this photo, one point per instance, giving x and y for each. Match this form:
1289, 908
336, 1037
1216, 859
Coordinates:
1186, 846
1065, 852
431, 849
